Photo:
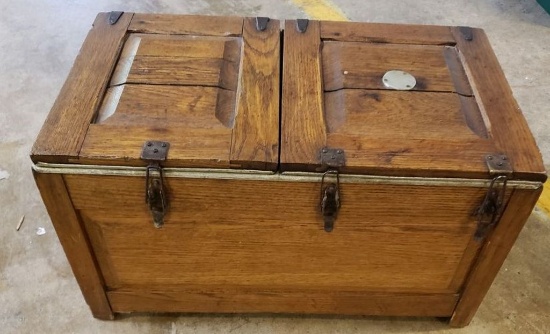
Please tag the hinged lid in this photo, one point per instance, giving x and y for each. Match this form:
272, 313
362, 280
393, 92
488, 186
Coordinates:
400, 100
207, 85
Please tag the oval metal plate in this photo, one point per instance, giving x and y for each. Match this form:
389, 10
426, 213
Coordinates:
399, 80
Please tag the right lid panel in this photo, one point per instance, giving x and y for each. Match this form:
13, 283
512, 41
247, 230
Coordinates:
396, 99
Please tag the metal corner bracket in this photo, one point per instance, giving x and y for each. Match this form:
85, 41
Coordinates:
261, 23
498, 164
114, 16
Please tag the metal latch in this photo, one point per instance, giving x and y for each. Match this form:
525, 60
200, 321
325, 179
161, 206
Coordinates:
330, 200
155, 193
330, 191
490, 210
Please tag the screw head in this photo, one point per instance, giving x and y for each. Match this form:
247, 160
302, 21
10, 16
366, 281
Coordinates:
504, 157
339, 152
156, 150
149, 144
325, 150
333, 157
500, 163
490, 157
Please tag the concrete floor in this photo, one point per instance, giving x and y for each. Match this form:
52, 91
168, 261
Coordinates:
39, 41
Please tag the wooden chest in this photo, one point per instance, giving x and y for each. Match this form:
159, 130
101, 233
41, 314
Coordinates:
226, 164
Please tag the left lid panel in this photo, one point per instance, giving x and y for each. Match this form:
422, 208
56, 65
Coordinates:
208, 85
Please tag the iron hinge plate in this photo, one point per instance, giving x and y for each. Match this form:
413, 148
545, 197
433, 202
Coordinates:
498, 164
333, 157
154, 150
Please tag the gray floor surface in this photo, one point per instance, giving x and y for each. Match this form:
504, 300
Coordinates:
38, 43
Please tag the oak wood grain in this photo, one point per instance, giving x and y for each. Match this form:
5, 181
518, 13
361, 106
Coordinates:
65, 127
405, 133
508, 125
121, 144
218, 232
413, 157
74, 241
437, 129
166, 105
193, 90
255, 140
386, 33
472, 116
271, 300
381, 115
458, 74
179, 60
196, 120
493, 254
362, 65
303, 132
187, 25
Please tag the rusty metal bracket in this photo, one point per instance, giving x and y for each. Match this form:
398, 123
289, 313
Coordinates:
489, 212
261, 23
114, 17
333, 157
155, 193
498, 164
301, 25
155, 150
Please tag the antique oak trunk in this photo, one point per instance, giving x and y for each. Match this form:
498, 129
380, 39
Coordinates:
226, 164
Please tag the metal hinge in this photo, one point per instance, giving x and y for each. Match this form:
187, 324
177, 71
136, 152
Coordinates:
261, 23
114, 17
329, 201
155, 193
489, 212
301, 25
467, 33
